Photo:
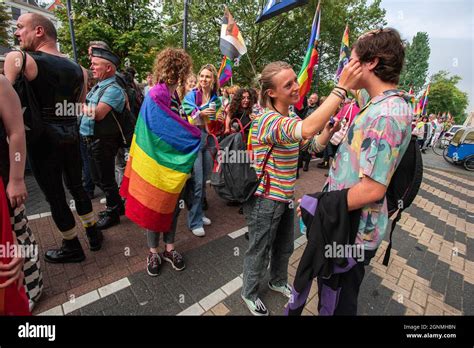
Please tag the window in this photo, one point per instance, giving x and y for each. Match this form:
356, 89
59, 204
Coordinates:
16, 13
15, 40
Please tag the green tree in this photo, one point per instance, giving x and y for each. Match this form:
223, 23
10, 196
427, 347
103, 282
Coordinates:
284, 37
128, 26
4, 25
445, 96
416, 66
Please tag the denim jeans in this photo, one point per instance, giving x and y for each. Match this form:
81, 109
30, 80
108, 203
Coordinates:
120, 164
87, 181
153, 237
271, 232
201, 171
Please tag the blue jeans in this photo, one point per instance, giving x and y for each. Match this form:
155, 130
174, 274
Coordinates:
86, 171
201, 171
271, 230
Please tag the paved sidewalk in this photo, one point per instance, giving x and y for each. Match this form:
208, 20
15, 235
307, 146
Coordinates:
431, 270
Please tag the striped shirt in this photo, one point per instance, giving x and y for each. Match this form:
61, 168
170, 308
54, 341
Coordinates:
284, 132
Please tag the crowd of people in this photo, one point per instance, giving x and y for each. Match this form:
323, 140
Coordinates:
176, 121
429, 129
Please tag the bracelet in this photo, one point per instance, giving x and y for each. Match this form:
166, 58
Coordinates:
345, 90
338, 94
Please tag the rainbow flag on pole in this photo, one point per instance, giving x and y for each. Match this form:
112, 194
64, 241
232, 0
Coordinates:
225, 71
344, 53
311, 59
425, 100
163, 151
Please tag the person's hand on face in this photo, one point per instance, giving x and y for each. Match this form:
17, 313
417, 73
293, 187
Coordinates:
351, 74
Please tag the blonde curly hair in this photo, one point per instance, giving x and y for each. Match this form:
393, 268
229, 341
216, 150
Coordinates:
172, 66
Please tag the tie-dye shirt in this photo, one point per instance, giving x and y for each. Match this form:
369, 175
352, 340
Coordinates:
374, 146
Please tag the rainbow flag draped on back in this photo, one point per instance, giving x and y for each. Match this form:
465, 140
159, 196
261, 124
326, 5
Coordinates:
163, 151
225, 71
344, 53
311, 59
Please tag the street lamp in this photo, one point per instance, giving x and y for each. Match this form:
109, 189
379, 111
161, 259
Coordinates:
185, 25
71, 29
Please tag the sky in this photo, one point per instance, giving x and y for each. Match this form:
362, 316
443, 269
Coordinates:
450, 27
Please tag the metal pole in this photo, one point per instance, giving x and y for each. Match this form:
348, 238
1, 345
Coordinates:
185, 26
71, 29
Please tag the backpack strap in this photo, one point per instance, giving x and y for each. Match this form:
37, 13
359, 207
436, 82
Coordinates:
264, 172
386, 258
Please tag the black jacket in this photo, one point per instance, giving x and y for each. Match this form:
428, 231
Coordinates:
331, 223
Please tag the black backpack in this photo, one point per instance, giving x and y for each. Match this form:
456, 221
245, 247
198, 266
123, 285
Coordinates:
125, 121
235, 181
404, 186
134, 94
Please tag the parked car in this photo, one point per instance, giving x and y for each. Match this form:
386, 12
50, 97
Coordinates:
461, 148
447, 136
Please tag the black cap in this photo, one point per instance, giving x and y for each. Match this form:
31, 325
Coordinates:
106, 54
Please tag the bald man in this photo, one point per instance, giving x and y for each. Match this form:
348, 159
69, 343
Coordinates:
59, 86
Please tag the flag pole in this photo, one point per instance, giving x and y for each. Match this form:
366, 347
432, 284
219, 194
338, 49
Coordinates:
185, 25
71, 29
251, 65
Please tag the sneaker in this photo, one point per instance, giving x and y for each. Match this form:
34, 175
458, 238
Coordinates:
103, 201
175, 259
199, 232
284, 289
206, 221
153, 262
256, 307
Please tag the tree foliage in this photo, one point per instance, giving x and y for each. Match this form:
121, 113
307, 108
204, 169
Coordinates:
137, 29
128, 26
4, 25
445, 96
415, 71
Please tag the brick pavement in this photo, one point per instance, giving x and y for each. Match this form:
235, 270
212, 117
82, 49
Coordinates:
431, 269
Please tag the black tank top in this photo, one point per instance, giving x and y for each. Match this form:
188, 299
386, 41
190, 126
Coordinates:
4, 155
59, 81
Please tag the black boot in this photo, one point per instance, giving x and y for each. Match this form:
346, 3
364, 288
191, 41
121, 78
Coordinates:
109, 219
71, 251
95, 238
306, 166
120, 209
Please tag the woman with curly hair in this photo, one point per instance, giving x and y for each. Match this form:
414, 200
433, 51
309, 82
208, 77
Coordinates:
162, 155
241, 108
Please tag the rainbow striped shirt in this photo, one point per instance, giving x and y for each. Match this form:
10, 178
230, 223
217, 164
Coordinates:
284, 132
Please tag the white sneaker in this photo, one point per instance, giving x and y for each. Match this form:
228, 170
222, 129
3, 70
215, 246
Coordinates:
285, 289
199, 232
256, 307
103, 201
206, 221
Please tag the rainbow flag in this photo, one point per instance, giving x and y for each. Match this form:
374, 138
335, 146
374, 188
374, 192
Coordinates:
163, 151
231, 42
425, 100
311, 59
225, 71
421, 106
344, 53
411, 93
